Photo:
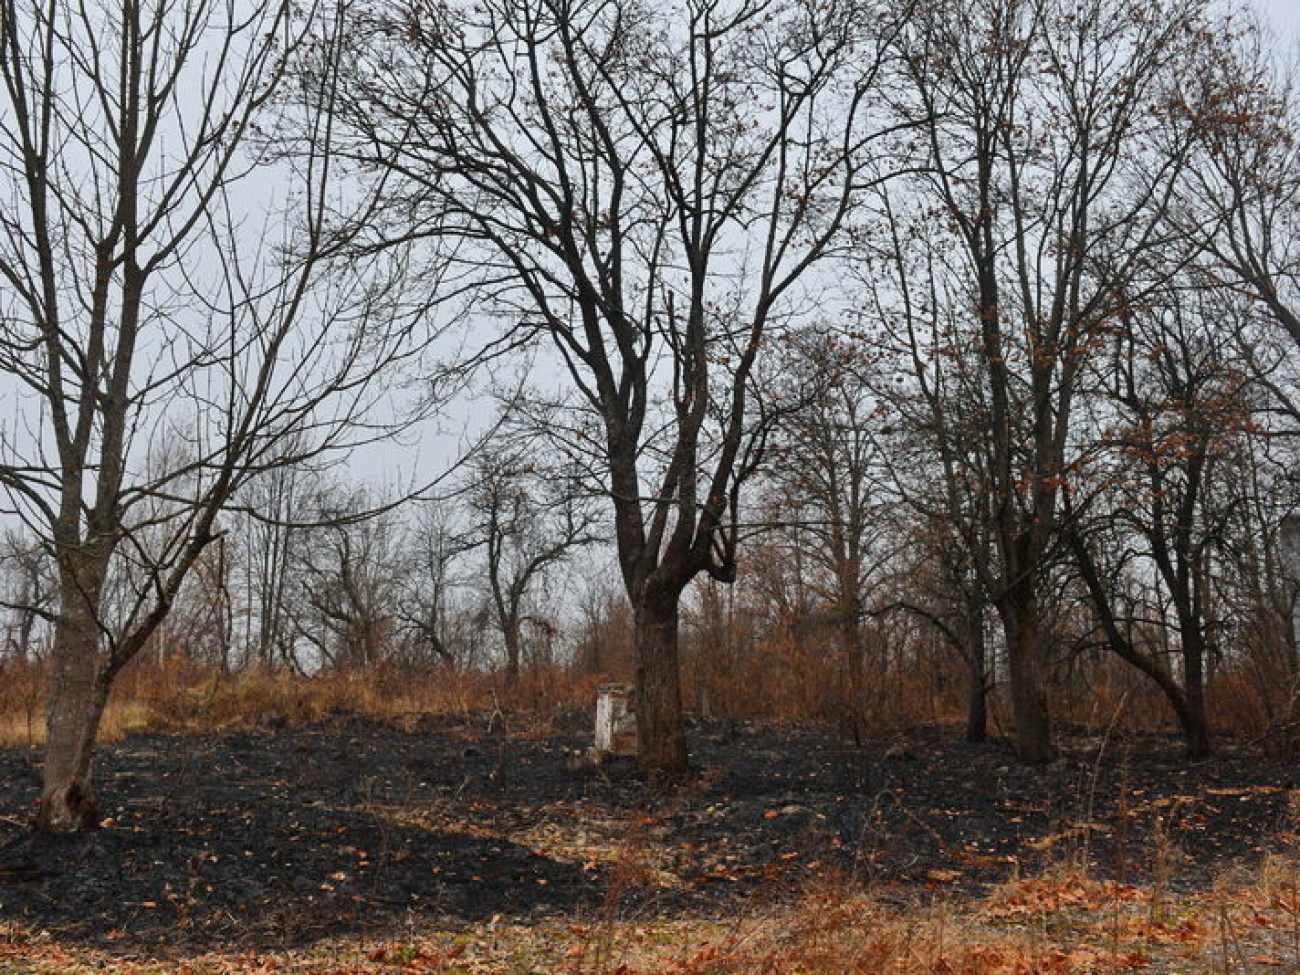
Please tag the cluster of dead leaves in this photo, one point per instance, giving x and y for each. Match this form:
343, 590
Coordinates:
1017, 960
1054, 893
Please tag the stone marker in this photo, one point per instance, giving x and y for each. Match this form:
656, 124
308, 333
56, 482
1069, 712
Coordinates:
615, 720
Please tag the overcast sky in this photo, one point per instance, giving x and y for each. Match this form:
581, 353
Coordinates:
1286, 14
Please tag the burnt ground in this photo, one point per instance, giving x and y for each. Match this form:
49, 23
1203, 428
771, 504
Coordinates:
277, 838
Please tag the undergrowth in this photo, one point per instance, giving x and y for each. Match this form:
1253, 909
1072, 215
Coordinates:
176, 695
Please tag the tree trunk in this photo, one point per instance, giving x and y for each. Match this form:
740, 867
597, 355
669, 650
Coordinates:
855, 654
1187, 701
510, 633
1195, 728
977, 708
78, 693
1030, 711
660, 731
977, 701
1191, 715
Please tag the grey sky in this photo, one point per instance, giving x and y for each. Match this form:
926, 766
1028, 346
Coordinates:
1285, 14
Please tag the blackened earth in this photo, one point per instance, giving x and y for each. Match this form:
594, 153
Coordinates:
277, 838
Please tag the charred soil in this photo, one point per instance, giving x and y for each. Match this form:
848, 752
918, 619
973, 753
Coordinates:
278, 838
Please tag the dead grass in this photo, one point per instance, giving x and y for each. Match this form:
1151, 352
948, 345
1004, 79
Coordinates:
1061, 923
176, 695
781, 679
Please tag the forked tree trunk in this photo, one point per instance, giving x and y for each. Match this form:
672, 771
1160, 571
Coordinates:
78, 693
1187, 700
660, 731
1030, 711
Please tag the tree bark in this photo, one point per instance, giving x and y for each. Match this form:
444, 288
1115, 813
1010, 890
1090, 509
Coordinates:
1030, 710
1191, 710
976, 653
855, 659
661, 733
977, 707
78, 693
510, 633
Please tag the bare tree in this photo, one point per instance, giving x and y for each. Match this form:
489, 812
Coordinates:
926, 376
646, 188
427, 582
27, 593
269, 535
346, 588
161, 349
1052, 150
1242, 199
603, 641
825, 476
1167, 471
528, 521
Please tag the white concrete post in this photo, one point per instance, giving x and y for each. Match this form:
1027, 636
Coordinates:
615, 720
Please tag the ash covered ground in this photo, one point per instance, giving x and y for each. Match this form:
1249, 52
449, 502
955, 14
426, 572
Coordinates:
278, 838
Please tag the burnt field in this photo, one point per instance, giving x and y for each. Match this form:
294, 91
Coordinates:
278, 838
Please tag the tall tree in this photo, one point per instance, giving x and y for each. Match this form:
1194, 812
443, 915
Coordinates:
1051, 150
164, 348
269, 543
1166, 478
428, 578
28, 592
926, 376
825, 476
645, 189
